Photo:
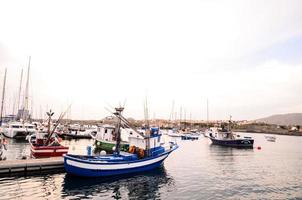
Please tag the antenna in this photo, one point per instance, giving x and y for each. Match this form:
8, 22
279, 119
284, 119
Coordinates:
125, 101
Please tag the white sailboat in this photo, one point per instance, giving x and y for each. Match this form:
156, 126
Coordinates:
21, 128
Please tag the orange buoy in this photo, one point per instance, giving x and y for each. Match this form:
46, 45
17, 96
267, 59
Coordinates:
141, 153
132, 149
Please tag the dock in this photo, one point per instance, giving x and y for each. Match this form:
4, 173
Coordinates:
24, 167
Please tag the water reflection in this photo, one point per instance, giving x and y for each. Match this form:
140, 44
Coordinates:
139, 186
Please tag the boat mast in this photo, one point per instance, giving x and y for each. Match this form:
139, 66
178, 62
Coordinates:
26, 89
3, 93
20, 87
147, 127
207, 112
117, 130
230, 121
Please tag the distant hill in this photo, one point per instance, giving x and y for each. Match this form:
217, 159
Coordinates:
283, 119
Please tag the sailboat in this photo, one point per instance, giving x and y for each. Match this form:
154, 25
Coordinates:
145, 153
20, 128
47, 144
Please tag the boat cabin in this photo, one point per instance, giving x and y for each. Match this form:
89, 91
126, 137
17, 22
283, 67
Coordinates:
150, 141
105, 133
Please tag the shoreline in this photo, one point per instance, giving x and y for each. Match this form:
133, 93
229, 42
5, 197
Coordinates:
269, 132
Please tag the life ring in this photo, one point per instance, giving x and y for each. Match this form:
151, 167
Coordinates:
132, 149
141, 153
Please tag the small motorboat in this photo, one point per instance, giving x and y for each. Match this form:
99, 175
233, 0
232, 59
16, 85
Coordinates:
270, 138
145, 153
174, 133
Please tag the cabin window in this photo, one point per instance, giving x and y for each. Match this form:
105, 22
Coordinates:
130, 133
15, 126
105, 130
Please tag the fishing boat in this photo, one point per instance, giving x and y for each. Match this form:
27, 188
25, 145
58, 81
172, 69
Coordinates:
145, 153
47, 144
224, 137
270, 138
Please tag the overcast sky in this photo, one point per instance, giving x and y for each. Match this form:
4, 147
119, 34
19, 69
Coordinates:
244, 56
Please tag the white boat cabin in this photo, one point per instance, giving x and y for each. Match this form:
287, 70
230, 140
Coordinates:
153, 140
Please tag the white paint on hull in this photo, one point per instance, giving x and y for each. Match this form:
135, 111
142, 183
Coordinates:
99, 166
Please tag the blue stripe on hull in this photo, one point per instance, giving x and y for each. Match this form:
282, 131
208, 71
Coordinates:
98, 173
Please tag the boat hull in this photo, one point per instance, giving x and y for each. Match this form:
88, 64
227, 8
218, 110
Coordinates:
238, 143
81, 167
189, 137
74, 136
17, 134
48, 151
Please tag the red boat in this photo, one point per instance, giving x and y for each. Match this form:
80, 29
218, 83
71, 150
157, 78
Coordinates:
47, 144
40, 150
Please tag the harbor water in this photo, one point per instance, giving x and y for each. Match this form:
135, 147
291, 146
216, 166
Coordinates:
197, 170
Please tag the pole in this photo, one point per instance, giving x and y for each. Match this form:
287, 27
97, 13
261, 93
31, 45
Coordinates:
118, 131
27, 88
207, 112
3, 93
20, 87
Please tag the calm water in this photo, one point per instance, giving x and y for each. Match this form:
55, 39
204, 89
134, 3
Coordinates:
197, 170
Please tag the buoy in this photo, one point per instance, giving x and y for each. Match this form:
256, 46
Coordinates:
103, 152
259, 147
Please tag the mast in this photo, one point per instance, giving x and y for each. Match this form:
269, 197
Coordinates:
20, 87
117, 130
230, 121
172, 111
27, 87
190, 120
3, 93
147, 128
207, 112
185, 119
180, 116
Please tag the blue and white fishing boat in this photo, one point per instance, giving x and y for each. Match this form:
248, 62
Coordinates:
145, 153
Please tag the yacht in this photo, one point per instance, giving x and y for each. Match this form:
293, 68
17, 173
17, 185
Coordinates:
17, 130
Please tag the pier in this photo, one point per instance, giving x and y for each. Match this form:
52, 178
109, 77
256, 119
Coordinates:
23, 167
